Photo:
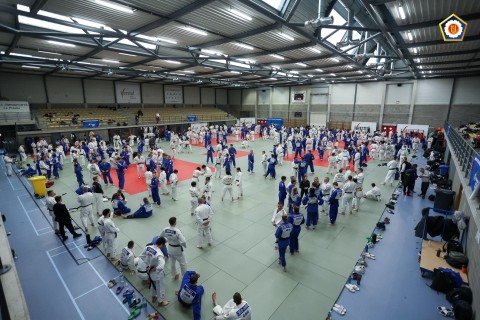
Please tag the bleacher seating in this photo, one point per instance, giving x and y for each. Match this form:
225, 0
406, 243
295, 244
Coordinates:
60, 117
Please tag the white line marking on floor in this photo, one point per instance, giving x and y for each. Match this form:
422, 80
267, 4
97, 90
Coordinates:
26, 213
104, 282
66, 288
83, 294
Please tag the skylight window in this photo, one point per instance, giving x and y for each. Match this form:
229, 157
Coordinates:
277, 4
47, 25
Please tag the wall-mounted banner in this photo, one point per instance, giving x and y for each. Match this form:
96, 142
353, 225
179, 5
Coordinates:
173, 95
14, 106
453, 28
475, 176
247, 121
364, 126
127, 92
423, 129
91, 123
299, 97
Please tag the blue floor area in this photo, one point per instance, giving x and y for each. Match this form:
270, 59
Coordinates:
392, 286
59, 280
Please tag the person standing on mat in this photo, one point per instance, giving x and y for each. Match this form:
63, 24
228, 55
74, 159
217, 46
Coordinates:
111, 232
139, 160
190, 294
86, 201
78, 173
120, 168
174, 181
105, 168
154, 188
49, 203
251, 161
296, 219
272, 162
282, 190
154, 260
145, 211
98, 194
203, 214
283, 237
232, 153
311, 201
62, 216
209, 153
335, 196
425, 178
392, 169
176, 242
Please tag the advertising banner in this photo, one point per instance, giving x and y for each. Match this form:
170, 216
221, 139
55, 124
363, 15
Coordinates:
14, 106
127, 92
173, 95
91, 123
475, 175
420, 128
367, 126
247, 121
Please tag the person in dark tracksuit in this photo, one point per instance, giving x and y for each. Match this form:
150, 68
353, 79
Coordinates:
296, 219
333, 201
283, 236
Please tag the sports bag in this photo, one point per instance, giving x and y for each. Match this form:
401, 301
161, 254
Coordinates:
452, 245
442, 281
456, 277
456, 259
462, 310
462, 293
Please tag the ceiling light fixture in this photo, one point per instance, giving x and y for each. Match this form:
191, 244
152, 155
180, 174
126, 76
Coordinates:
61, 43
236, 72
110, 61
333, 74
319, 70
172, 61
300, 64
323, 79
415, 50
127, 54
194, 30
242, 45
272, 79
349, 67
401, 10
114, 6
277, 56
286, 36
241, 14
336, 60
217, 53
48, 52
315, 50
31, 67
410, 35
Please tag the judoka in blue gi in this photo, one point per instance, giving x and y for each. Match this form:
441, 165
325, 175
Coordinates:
209, 153
78, 173
232, 152
190, 294
333, 201
251, 161
105, 168
283, 236
145, 211
311, 201
272, 162
121, 166
296, 219
282, 190
154, 188
308, 158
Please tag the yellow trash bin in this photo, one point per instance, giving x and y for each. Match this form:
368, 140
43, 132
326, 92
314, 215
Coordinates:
39, 185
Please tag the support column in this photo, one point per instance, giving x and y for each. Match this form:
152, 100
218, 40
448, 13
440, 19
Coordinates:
309, 90
44, 78
451, 99
382, 106
412, 102
329, 106
270, 104
354, 102
256, 104
84, 95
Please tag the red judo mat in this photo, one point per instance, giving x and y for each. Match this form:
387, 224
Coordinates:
134, 185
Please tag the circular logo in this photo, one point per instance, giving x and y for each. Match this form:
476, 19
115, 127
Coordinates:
453, 29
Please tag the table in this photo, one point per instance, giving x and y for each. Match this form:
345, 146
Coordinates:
430, 261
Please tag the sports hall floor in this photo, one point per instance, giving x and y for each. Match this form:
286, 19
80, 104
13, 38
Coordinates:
68, 282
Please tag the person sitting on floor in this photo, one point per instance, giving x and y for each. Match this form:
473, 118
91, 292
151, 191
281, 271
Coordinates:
119, 207
374, 193
190, 294
29, 172
145, 211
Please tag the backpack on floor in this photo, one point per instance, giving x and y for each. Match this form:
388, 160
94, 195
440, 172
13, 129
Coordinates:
456, 259
462, 293
456, 277
462, 310
442, 281
431, 197
452, 245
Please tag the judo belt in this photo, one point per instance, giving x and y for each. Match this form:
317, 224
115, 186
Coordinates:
285, 238
393, 169
349, 192
81, 206
176, 246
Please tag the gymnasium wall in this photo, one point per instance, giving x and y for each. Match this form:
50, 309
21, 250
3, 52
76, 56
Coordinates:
418, 102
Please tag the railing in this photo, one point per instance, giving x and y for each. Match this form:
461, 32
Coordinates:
15, 117
463, 150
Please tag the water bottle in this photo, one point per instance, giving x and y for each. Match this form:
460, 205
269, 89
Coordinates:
122, 279
366, 248
144, 304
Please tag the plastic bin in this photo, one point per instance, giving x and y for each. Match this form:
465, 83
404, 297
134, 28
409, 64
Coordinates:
443, 169
39, 185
